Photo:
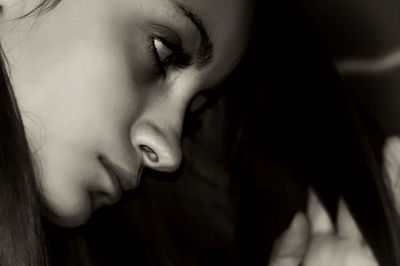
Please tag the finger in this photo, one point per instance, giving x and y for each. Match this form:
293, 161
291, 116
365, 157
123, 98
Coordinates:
319, 219
347, 227
290, 247
392, 157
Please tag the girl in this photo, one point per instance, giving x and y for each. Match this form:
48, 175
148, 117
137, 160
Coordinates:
99, 91
102, 88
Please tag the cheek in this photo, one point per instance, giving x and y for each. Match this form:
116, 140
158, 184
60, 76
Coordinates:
78, 91
72, 115
64, 188
76, 103
68, 178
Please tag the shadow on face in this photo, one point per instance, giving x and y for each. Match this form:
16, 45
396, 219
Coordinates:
103, 87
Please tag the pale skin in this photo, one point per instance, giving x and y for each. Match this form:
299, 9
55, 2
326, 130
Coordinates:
103, 83
90, 90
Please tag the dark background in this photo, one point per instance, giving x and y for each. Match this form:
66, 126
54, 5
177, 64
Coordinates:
281, 124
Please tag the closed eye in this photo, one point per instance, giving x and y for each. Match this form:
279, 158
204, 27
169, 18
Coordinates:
164, 54
167, 54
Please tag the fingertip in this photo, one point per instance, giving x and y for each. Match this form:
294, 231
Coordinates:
319, 218
297, 234
347, 227
299, 223
291, 246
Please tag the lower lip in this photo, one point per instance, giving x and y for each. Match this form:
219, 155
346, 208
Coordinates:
114, 193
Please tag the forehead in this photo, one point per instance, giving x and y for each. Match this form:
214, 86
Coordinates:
226, 22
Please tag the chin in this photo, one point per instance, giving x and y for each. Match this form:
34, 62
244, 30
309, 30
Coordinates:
68, 221
69, 216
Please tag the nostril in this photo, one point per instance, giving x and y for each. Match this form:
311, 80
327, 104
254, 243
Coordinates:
150, 153
158, 147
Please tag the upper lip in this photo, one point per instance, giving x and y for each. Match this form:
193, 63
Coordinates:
127, 179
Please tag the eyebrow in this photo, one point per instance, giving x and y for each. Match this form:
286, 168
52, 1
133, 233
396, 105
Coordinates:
206, 50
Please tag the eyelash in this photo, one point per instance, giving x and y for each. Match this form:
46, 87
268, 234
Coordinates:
179, 59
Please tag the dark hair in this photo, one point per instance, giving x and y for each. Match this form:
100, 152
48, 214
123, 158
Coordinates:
22, 238
382, 232
314, 128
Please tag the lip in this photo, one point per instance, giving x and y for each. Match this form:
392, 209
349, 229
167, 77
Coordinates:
127, 180
112, 194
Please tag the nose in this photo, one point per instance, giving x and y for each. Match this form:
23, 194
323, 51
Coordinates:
159, 146
156, 131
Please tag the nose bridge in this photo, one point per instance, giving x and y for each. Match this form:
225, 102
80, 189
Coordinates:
156, 134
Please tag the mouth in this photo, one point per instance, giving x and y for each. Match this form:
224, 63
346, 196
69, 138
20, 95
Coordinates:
121, 178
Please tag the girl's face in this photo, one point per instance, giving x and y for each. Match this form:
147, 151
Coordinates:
103, 87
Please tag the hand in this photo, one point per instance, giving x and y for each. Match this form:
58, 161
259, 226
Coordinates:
313, 240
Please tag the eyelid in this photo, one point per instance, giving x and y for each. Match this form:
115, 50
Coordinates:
198, 103
204, 100
181, 59
174, 47
166, 34
159, 49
